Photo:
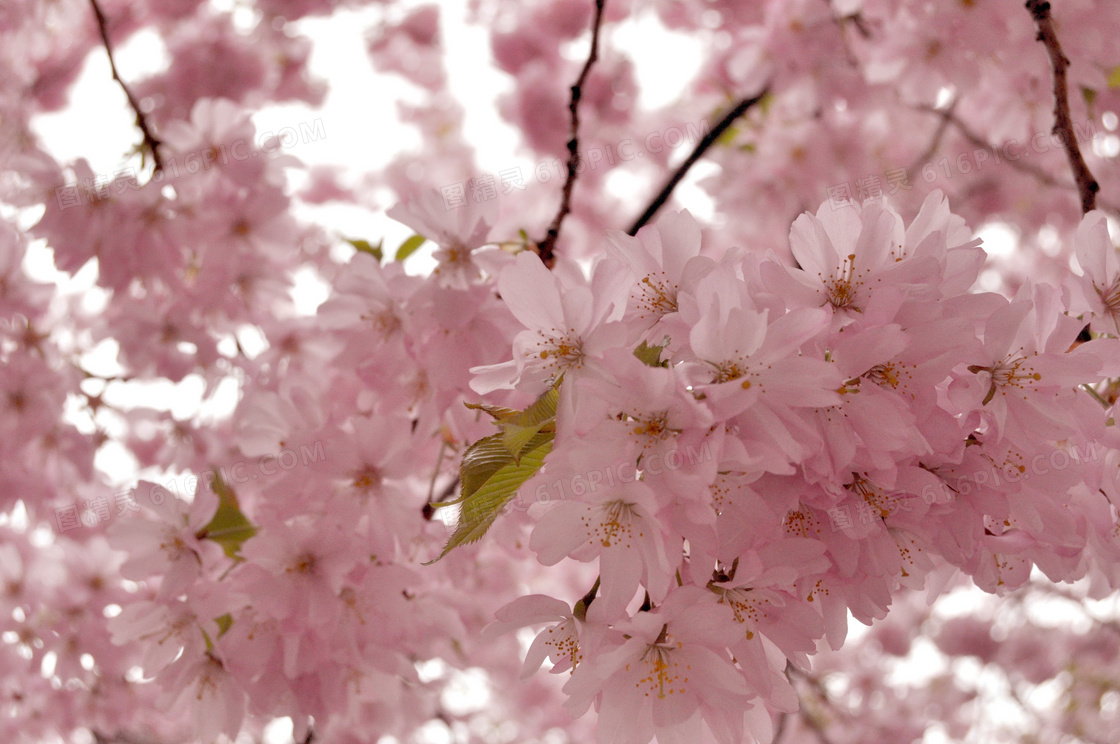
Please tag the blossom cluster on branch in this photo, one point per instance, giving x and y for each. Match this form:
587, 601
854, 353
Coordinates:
804, 442
673, 461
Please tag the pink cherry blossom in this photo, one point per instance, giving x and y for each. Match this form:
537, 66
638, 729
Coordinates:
799, 393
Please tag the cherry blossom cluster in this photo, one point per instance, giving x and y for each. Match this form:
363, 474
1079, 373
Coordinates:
758, 430
869, 421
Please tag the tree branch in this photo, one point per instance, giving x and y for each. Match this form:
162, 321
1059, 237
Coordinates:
780, 729
545, 247
150, 140
815, 724
1063, 124
701, 147
935, 142
947, 116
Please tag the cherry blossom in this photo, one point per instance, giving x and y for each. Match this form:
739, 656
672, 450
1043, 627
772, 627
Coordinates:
828, 337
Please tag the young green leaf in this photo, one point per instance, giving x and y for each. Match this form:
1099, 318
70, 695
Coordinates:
481, 507
518, 427
229, 527
481, 460
494, 467
409, 247
651, 355
365, 247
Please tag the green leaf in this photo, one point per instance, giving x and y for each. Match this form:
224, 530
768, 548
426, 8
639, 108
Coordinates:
494, 467
224, 623
516, 438
519, 430
518, 427
229, 527
728, 137
765, 101
651, 355
365, 247
542, 411
1114, 78
480, 462
409, 247
496, 412
478, 505
482, 506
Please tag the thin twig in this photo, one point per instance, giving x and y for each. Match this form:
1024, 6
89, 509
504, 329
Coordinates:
1087, 186
780, 728
1095, 395
701, 147
580, 608
545, 247
978, 141
938, 135
150, 140
815, 724
429, 509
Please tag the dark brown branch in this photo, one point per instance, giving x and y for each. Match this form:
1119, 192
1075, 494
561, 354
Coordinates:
701, 147
428, 510
1063, 124
545, 247
118, 738
150, 140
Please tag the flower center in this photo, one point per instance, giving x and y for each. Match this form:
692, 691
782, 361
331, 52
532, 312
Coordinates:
883, 375
563, 638
1110, 298
655, 296
613, 526
367, 479
661, 672
303, 564
840, 290
1014, 371
656, 427
801, 523
560, 351
743, 606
